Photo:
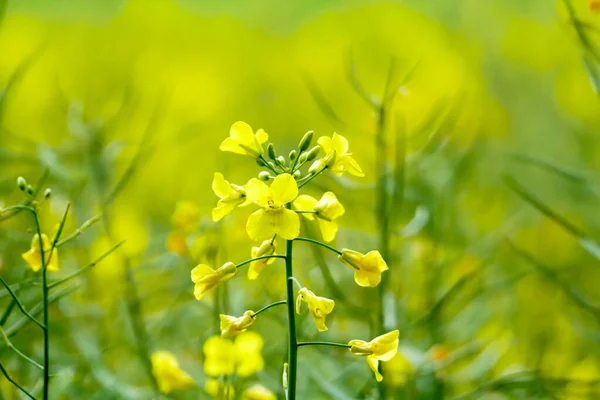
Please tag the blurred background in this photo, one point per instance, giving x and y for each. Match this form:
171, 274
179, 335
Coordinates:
476, 123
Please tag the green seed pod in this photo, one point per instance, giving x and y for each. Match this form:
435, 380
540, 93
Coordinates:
313, 153
22, 183
305, 141
264, 176
293, 155
271, 152
47, 193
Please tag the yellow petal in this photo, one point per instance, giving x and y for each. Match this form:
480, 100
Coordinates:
284, 189
287, 224
242, 132
374, 365
232, 146
258, 192
221, 211
352, 167
261, 136
261, 225
305, 202
326, 144
328, 229
200, 271
339, 144
220, 186
367, 278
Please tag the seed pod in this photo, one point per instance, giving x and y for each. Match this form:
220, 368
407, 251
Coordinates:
305, 141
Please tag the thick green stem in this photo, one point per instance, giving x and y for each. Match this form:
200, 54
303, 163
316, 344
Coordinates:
292, 340
265, 308
302, 239
332, 344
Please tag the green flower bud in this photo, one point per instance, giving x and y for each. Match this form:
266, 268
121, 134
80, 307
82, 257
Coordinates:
305, 141
281, 161
21, 183
313, 153
264, 176
293, 155
271, 152
302, 158
297, 175
47, 193
29, 189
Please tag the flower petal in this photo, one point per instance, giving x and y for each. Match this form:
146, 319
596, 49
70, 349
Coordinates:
220, 186
328, 229
261, 225
374, 365
242, 132
287, 224
339, 144
305, 202
232, 146
258, 192
284, 189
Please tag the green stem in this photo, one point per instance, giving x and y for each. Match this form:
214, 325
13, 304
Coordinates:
79, 230
265, 308
305, 181
346, 346
258, 258
305, 211
21, 388
293, 341
19, 353
18, 303
303, 239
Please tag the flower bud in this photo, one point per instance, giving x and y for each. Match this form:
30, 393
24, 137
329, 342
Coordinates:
305, 141
21, 183
297, 175
29, 190
302, 158
313, 153
47, 193
264, 175
271, 151
281, 161
284, 376
293, 155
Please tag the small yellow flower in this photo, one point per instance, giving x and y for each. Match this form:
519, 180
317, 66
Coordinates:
319, 307
249, 360
382, 348
219, 390
258, 392
327, 210
242, 140
186, 216
233, 326
342, 161
168, 374
176, 243
439, 353
219, 356
273, 216
367, 267
230, 196
33, 257
205, 278
267, 248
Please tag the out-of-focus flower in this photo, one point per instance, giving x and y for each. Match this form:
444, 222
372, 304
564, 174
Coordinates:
367, 267
177, 243
594, 5
267, 248
248, 347
398, 370
219, 390
439, 353
343, 161
327, 210
233, 326
230, 196
258, 392
219, 356
382, 348
33, 257
273, 216
168, 374
205, 278
242, 140
186, 216
319, 307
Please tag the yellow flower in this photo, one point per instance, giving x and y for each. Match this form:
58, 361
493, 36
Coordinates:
319, 307
382, 348
267, 248
273, 216
342, 160
327, 210
230, 196
439, 353
233, 326
398, 370
205, 278
258, 392
242, 140
219, 356
186, 216
168, 374
367, 267
33, 257
248, 347
242, 356
176, 243
219, 390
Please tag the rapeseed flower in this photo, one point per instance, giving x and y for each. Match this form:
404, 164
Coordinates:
33, 257
242, 140
319, 307
229, 194
327, 210
233, 326
168, 374
267, 248
258, 392
367, 267
242, 356
342, 161
382, 348
205, 278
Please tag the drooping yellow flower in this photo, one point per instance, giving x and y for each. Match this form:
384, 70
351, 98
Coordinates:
242, 140
33, 257
205, 278
382, 348
267, 248
319, 307
273, 217
258, 392
327, 210
186, 216
230, 196
343, 161
219, 356
233, 326
248, 347
168, 374
367, 267
219, 389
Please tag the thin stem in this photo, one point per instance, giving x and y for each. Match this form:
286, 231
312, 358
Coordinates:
16, 299
79, 230
265, 308
21, 388
305, 211
258, 258
267, 165
303, 239
347, 346
19, 353
7, 312
297, 282
311, 177
293, 341
83, 269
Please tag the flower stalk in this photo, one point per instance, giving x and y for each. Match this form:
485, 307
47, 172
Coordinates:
292, 339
